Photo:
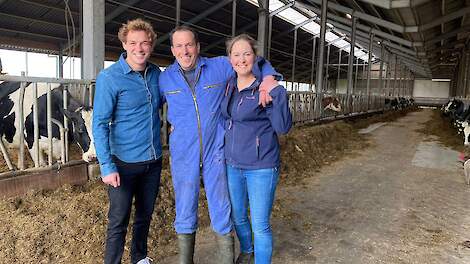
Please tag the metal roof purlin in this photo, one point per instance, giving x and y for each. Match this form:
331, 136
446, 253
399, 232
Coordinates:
363, 16
390, 4
197, 18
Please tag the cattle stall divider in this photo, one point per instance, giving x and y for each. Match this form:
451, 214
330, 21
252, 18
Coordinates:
305, 106
81, 90
304, 109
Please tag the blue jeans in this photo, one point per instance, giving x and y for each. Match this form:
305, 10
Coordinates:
253, 188
142, 182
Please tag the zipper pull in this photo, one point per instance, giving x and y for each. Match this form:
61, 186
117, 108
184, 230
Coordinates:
257, 146
239, 103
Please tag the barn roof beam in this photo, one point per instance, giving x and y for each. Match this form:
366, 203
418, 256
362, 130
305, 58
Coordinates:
446, 35
123, 7
197, 18
365, 37
334, 20
445, 19
120, 10
412, 63
363, 16
32, 34
391, 4
394, 26
60, 9
252, 24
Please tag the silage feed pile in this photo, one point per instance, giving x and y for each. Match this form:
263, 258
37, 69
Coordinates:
68, 225
440, 127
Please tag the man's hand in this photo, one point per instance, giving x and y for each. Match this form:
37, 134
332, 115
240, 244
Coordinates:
112, 179
265, 87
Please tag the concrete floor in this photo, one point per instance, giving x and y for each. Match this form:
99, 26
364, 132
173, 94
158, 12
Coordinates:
403, 200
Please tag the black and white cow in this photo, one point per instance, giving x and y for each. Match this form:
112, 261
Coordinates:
332, 103
391, 103
79, 129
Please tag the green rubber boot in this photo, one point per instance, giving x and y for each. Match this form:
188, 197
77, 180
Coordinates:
186, 248
226, 247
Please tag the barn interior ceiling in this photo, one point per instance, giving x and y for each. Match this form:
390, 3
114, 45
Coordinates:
428, 36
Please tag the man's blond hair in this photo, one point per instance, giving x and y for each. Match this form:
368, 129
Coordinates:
137, 24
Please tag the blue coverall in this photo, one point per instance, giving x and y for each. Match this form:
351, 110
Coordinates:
197, 141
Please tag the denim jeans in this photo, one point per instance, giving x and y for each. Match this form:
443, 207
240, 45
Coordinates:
253, 188
142, 182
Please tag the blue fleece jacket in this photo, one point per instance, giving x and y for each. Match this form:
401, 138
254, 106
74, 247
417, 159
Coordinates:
251, 140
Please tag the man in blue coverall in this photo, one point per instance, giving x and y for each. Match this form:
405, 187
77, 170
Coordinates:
126, 131
193, 86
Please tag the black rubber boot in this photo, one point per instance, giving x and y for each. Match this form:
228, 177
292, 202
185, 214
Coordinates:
226, 248
245, 258
186, 247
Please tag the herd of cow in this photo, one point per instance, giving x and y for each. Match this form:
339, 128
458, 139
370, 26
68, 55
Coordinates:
398, 103
459, 113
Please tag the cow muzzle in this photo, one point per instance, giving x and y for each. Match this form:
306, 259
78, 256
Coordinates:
89, 157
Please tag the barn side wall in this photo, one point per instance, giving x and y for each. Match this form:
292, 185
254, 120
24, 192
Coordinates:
429, 88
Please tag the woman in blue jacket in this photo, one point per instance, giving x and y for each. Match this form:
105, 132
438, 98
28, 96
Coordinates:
252, 149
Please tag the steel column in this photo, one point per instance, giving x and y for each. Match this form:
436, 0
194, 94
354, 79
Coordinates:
351, 59
234, 19
263, 22
369, 67
356, 84
21, 124
381, 86
395, 75
327, 68
93, 38
313, 62
178, 12
339, 70
321, 49
294, 54
49, 123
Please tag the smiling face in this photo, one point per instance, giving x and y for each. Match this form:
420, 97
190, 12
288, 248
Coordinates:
242, 57
138, 46
185, 49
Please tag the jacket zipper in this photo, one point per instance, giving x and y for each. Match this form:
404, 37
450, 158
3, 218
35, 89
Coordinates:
257, 147
151, 114
193, 93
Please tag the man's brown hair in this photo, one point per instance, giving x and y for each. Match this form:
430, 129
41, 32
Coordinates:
137, 24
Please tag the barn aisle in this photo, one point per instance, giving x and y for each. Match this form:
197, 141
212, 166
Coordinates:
402, 200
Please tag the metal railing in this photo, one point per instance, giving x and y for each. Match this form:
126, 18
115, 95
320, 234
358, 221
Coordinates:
304, 108
33, 88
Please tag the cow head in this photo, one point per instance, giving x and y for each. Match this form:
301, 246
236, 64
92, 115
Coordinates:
81, 129
331, 103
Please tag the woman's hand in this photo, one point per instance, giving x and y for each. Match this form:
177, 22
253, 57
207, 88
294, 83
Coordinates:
265, 87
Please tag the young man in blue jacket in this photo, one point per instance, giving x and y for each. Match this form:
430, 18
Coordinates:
193, 86
126, 130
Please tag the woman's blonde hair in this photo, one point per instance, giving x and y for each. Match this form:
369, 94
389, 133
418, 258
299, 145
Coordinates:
137, 24
245, 37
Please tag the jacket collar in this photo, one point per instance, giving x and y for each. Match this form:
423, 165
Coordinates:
201, 61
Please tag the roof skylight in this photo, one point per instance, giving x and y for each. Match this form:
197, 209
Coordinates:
294, 17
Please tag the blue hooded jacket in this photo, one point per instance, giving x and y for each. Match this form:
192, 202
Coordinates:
251, 140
